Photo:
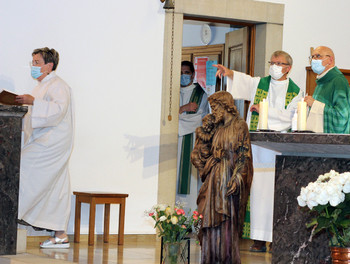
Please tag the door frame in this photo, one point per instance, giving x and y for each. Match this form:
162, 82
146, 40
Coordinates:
268, 20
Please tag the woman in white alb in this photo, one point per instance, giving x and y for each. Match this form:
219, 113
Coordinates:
44, 193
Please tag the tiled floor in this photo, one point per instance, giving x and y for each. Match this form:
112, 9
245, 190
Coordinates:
136, 250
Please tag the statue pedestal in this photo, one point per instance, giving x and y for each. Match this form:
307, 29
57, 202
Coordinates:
304, 157
10, 154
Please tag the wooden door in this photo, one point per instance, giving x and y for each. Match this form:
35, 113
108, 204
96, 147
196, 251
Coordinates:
311, 79
236, 58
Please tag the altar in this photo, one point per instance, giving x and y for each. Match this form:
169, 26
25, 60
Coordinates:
304, 156
10, 154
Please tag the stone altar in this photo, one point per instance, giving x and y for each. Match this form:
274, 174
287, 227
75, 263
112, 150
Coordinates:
304, 156
10, 154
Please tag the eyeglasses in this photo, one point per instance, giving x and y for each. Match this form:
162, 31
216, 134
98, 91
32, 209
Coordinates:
277, 63
317, 57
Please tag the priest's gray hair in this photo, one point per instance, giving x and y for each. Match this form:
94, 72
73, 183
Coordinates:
49, 55
288, 58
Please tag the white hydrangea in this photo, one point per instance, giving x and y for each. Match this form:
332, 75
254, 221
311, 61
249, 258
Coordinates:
322, 197
328, 188
301, 201
337, 199
346, 188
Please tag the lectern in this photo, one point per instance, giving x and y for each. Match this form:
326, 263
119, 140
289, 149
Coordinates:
10, 154
304, 156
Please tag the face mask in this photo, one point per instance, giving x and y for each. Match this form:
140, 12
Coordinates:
36, 72
185, 79
276, 72
317, 67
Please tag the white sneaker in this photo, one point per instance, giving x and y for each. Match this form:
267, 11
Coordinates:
59, 243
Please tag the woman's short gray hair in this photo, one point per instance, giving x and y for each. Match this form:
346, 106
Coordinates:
49, 55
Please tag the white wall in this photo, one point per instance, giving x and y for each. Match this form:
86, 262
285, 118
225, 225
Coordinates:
314, 23
111, 55
192, 33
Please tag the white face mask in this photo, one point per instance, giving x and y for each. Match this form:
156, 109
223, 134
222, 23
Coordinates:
276, 72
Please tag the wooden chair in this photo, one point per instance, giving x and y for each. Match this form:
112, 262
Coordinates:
94, 198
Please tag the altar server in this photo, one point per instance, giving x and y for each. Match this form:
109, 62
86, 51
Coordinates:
193, 107
44, 192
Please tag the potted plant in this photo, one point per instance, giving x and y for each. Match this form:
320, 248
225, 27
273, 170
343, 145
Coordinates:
173, 226
328, 198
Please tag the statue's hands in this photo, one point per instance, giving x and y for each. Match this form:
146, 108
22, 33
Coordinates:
223, 71
233, 185
208, 123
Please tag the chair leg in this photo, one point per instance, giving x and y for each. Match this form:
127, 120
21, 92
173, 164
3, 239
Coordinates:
92, 222
106, 223
77, 220
121, 222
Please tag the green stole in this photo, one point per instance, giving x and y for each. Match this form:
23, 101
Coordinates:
187, 147
261, 93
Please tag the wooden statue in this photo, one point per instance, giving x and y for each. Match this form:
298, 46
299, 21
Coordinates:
222, 155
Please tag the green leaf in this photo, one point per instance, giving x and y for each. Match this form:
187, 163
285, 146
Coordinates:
312, 223
345, 223
324, 222
320, 208
336, 213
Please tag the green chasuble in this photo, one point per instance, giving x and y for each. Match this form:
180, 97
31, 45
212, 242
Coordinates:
261, 93
333, 90
187, 147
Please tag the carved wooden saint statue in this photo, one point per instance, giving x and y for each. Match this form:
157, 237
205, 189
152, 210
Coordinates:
222, 155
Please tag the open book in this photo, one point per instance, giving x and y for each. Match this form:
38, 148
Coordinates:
8, 98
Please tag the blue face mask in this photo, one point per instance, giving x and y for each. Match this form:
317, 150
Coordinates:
317, 67
185, 79
36, 72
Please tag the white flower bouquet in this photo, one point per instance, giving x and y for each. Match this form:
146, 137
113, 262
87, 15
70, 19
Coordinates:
329, 200
172, 223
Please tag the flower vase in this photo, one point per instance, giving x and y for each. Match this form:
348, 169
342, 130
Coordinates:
340, 255
172, 253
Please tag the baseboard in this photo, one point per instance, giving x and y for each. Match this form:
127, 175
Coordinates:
21, 241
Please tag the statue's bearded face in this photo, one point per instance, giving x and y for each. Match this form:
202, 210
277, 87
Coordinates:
218, 112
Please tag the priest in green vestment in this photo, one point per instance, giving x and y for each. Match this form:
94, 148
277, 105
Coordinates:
330, 103
193, 107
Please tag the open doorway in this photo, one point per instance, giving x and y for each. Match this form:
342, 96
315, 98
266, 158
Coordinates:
268, 20
206, 43
217, 41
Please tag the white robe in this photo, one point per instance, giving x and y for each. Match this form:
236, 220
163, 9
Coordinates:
44, 192
315, 118
244, 87
187, 125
